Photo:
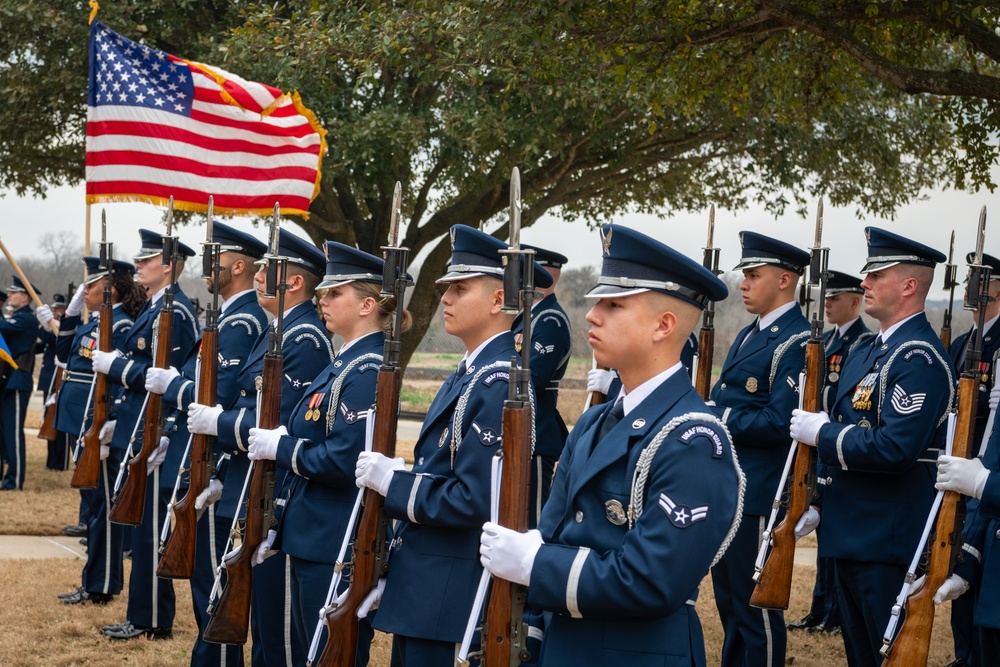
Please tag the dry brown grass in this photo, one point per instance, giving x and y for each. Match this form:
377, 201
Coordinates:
40, 631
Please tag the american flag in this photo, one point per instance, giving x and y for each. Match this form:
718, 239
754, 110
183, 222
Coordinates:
158, 125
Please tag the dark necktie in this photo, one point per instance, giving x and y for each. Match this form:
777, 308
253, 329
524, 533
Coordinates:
459, 374
833, 338
753, 332
876, 346
615, 416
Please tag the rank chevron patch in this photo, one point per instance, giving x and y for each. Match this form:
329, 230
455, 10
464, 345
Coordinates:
681, 515
906, 404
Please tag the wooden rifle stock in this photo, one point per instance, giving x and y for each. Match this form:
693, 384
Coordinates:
504, 634
131, 502
88, 466
177, 561
945, 336
369, 559
230, 620
706, 348
912, 643
774, 585
47, 431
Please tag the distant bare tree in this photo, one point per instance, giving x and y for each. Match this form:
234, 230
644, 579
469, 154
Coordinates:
63, 249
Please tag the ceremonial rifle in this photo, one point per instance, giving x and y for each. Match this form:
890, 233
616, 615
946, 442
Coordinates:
912, 644
177, 561
230, 620
88, 465
773, 569
706, 337
950, 283
504, 634
371, 549
131, 500
47, 431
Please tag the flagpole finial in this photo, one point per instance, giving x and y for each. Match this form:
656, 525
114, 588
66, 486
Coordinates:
93, 11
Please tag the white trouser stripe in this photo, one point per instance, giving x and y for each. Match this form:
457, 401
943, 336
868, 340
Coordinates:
107, 528
156, 537
288, 610
18, 439
573, 583
538, 489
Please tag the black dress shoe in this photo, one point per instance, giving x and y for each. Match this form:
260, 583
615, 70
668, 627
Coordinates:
832, 629
809, 621
79, 530
129, 631
819, 627
114, 628
127, 554
84, 596
72, 594
957, 662
83, 541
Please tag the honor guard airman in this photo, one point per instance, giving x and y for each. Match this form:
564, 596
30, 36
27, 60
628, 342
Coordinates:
885, 429
325, 434
20, 331
962, 627
76, 343
58, 450
305, 348
441, 504
844, 297
551, 343
755, 396
151, 600
646, 495
241, 323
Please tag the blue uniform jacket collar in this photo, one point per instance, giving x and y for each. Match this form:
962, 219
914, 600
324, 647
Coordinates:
762, 339
843, 344
865, 358
636, 426
445, 399
545, 303
293, 317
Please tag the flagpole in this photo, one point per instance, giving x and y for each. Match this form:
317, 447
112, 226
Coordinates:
86, 252
27, 284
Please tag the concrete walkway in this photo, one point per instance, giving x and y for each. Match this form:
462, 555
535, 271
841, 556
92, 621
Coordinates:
31, 546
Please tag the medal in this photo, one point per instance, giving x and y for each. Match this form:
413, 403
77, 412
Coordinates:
751, 385
312, 414
444, 437
862, 399
517, 342
834, 376
614, 511
864, 423
141, 343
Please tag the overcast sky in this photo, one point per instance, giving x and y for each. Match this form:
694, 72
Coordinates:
25, 220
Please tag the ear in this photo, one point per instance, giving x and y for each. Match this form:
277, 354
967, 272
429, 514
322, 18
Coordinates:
295, 283
496, 301
787, 279
238, 267
368, 306
909, 286
666, 326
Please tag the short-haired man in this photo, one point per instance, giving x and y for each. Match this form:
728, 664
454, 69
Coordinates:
886, 426
755, 395
19, 331
843, 307
647, 491
441, 504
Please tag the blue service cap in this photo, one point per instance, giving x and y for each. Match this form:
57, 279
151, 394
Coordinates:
58, 301
346, 264
988, 260
760, 250
299, 252
152, 245
17, 286
635, 263
547, 258
233, 240
475, 253
94, 272
886, 249
843, 283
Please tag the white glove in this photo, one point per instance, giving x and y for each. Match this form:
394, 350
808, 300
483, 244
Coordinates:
805, 426
51, 400
75, 306
371, 601
966, 476
101, 361
44, 315
952, 588
263, 443
158, 456
995, 397
158, 379
375, 471
204, 419
209, 495
507, 553
600, 380
60, 364
807, 523
264, 551
107, 432
105, 451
